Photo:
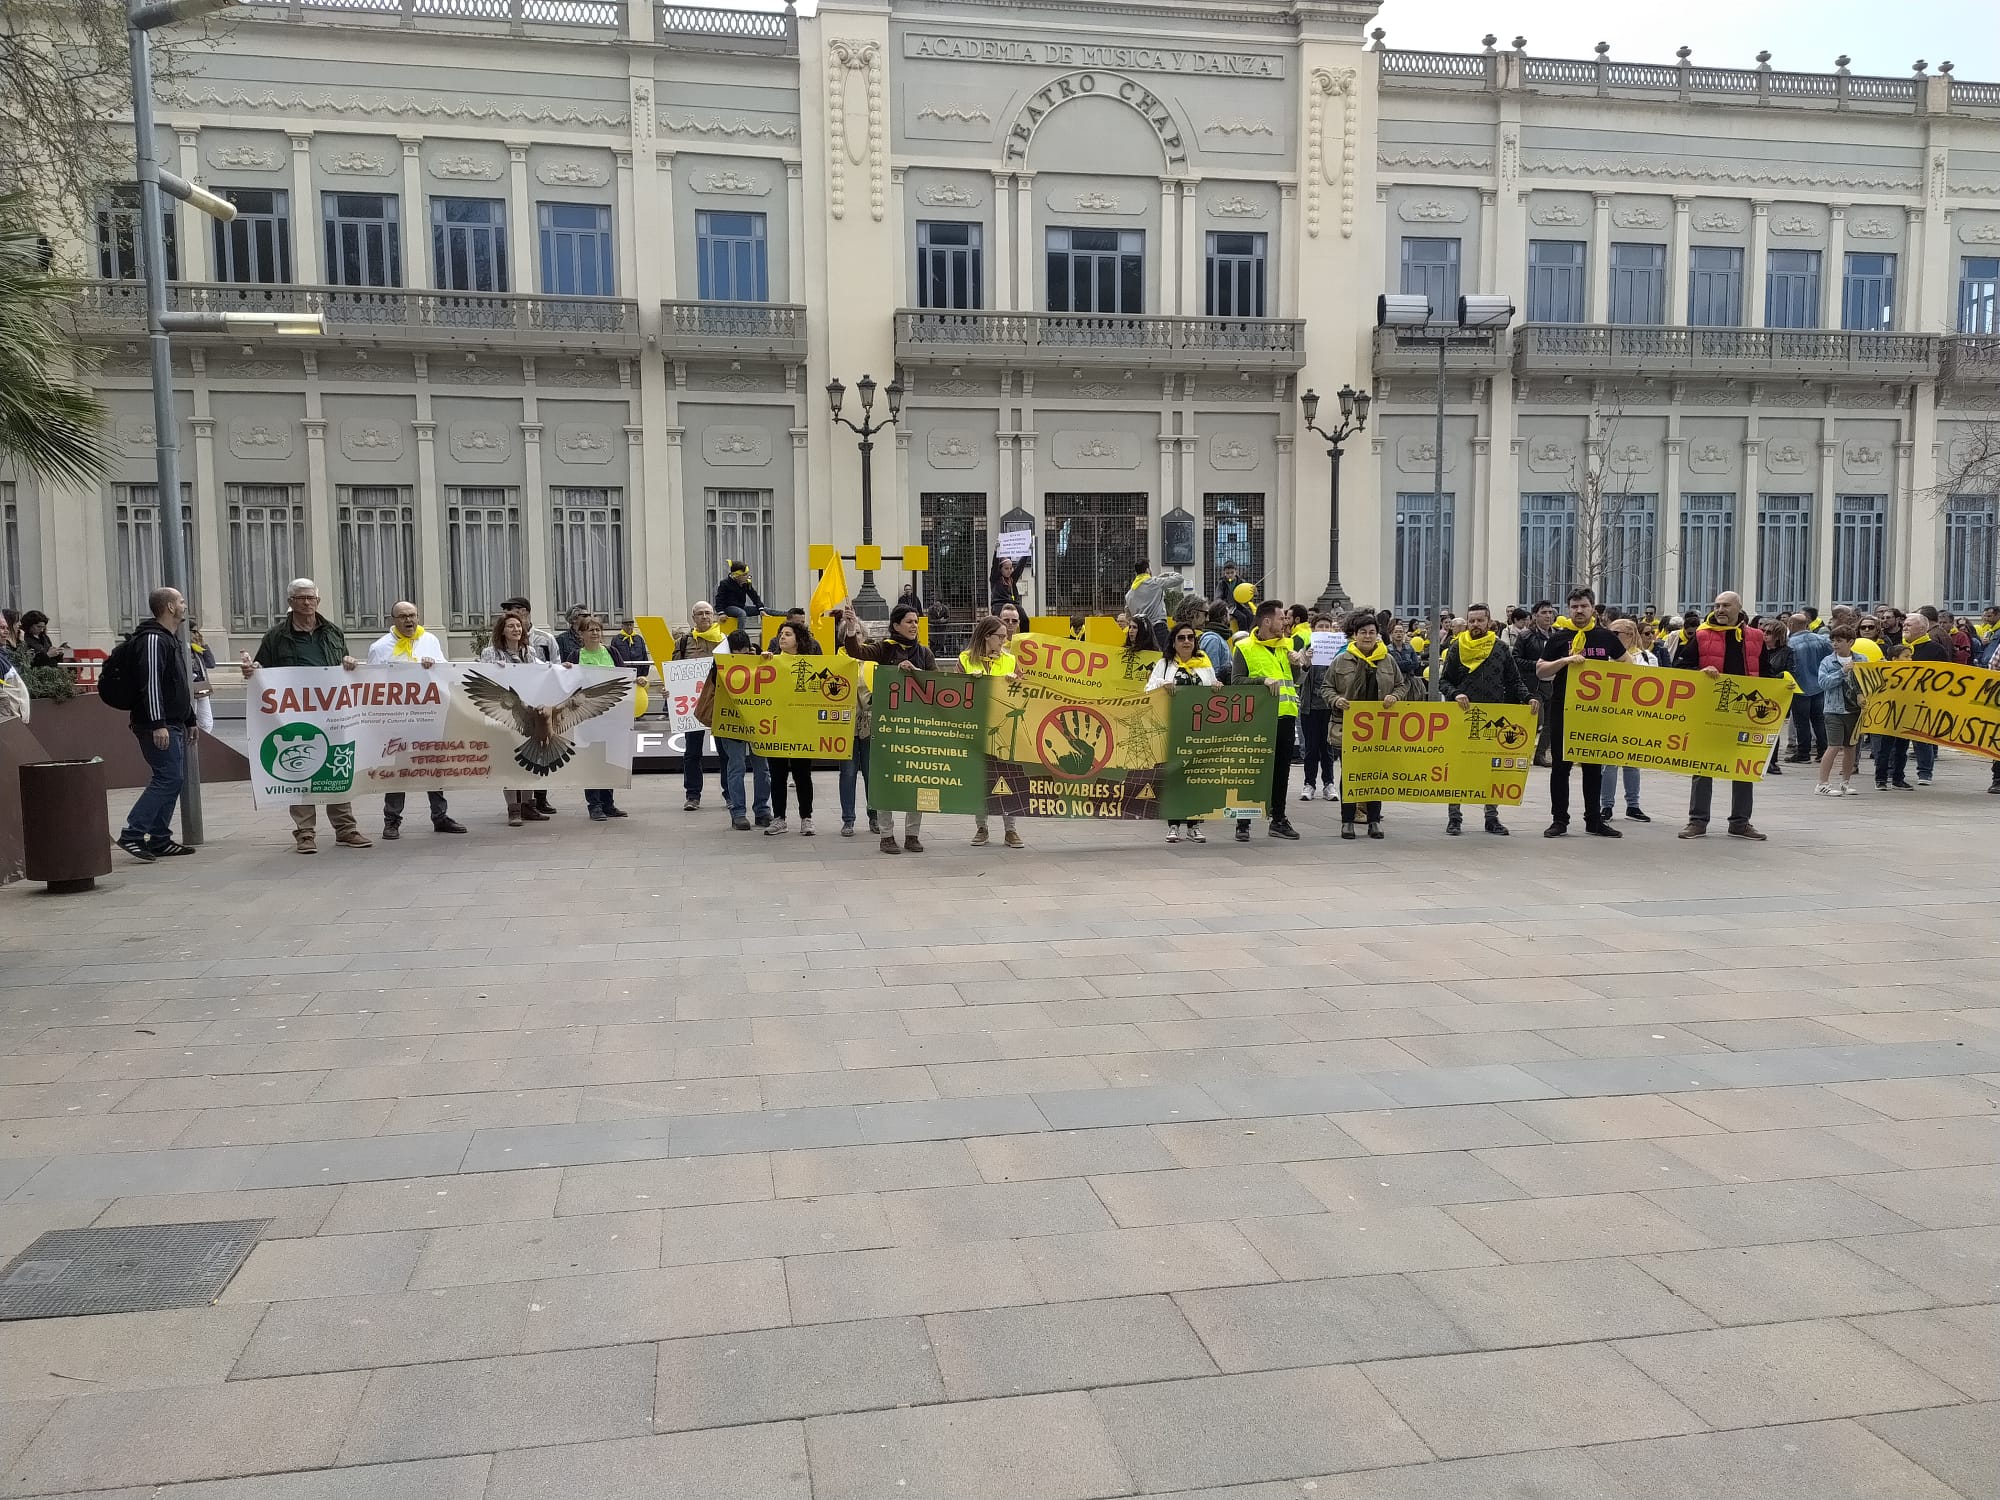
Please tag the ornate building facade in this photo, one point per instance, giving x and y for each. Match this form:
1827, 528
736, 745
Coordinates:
587, 267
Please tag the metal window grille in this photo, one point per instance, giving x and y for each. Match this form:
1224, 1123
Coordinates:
1784, 551
1979, 294
267, 550
1232, 531
1423, 553
1715, 286
362, 243
118, 235
1430, 270
1708, 548
10, 547
1791, 289
1236, 275
1639, 284
1868, 294
577, 255
1631, 526
1090, 546
469, 244
1971, 526
378, 553
950, 269
135, 532
1557, 291
1548, 545
1860, 549
256, 246
483, 543
731, 259
740, 526
953, 526
588, 561
1097, 270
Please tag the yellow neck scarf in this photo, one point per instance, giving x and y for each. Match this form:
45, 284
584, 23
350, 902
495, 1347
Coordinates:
1199, 659
1473, 651
406, 645
1564, 622
1373, 658
1735, 630
714, 635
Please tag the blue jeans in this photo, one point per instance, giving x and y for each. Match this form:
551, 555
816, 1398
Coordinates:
1314, 723
853, 769
1809, 725
1926, 757
152, 816
734, 754
693, 744
1608, 797
597, 799
1892, 759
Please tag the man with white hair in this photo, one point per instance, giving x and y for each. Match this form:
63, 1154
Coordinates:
408, 644
306, 638
1725, 644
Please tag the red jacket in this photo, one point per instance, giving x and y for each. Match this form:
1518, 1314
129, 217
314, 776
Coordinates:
1709, 644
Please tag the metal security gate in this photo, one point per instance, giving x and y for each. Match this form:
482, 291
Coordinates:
1708, 548
954, 528
1860, 549
1232, 531
1784, 552
1423, 553
1091, 545
1548, 547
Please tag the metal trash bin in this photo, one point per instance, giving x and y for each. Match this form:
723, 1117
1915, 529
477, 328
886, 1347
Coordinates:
65, 823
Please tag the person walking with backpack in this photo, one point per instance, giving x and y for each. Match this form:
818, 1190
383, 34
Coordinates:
147, 675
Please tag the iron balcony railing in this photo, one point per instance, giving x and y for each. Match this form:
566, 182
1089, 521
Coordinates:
1827, 353
769, 328
1276, 343
376, 314
762, 30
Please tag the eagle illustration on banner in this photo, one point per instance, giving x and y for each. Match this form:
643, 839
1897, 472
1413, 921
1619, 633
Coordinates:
546, 747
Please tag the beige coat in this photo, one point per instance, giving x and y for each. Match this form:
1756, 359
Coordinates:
1344, 680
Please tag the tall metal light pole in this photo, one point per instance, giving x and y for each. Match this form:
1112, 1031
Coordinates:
1482, 317
868, 601
141, 20
1353, 419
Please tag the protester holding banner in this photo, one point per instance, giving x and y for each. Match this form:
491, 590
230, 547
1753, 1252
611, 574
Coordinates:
1925, 642
987, 656
507, 646
1366, 672
1215, 636
1724, 644
701, 640
1265, 656
407, 643
1627, 630
1188, 666
787, 771
306, 638
1477, 668
855, 768
542, 646
737, 757
593, 651
900, 649
1577, 638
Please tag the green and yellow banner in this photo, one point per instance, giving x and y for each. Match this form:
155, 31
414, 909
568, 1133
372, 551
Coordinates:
1667, 719
1938, 703
1436, 752
797, 707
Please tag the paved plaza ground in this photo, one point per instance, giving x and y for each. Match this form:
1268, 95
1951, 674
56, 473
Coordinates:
653, 1160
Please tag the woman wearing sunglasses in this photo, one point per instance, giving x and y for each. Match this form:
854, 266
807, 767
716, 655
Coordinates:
1183, 666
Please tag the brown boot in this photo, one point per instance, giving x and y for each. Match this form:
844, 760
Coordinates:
1745, 831
353, 838
889, 844
1695, 831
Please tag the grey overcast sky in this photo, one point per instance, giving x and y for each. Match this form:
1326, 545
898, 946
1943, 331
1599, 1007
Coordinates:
1803, 34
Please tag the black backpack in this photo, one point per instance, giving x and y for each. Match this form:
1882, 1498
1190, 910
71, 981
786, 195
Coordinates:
119, 680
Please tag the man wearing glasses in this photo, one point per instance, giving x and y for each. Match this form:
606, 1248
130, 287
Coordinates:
306, 638
409, 644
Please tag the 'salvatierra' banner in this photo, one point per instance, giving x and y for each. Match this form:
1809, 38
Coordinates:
323, 734
1939, 703
1667, 719
1436, 752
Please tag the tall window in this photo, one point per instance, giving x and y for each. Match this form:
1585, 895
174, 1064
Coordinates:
1097, 270
378, 552
1639, 284
740, 526
1232, 531
1430, 270
469, 244
1235, 275
1860, 549
1548, 546
1556, 288
1708, 548
732, 264
1791, 289
1784, 552
267, 550
257, 244
587, 564
950, 270
1868, 294
577, 257
953, 526
10, 547
1629, 526
135, 537
363, 247
1979, 294
1423, 553
483, 543
118, 235
1089, 545
1715, 286
1971, 526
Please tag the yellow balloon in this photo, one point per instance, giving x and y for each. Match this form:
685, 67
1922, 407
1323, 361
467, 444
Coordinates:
639, 702
1245, 592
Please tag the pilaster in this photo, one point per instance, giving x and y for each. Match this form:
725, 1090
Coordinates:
307, 247
415, 215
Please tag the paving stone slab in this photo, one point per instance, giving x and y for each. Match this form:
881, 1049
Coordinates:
781, 1373
443, 1202
337, 1265
1953, 1265
1411, 1180
1555, 1302
1279, 1138
1780, 1283
1826, 1460
1956, 1443
1335, 1321
1956, 1344
1064, 1346
52, 1358
1052, 1447
917, 1279
735, 1463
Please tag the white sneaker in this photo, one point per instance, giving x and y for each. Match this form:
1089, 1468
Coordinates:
1849, 789
777, 826
1173, 835
805, 828
1306, 795
1826, 789
1196, 836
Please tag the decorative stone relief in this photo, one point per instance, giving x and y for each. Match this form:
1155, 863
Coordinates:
739, 381
1718, 223
572, 174
947, 195
1628, 168
1330, 165
959, 113
366, 440
1095, 392
736, 447
243, 158
729, 180
136, 435
1237, 207
238, 100
1971, 233
847, 56
1435, 158
260, 439
953, 450
734, 127
1635, 217
358, 164
1229, 450
1092, 201
1236, 391
1717, 395
365, 369
1795, 395
251, 369
1630, 458
1237, 125
1871, 398
1862, 457
1704, 457
958, 388
1793, 226
479, 442
465, 167
1095, 450
583, 443
1871, 228
1547, 456
1430, 211
1556, 214
1785, 456
1415, 455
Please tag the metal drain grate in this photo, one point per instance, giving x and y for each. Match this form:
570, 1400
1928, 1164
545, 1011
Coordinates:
73, 1273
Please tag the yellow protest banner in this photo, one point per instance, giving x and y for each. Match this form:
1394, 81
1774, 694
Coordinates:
1075, 733
1665, 719
1938, 703
1436, 752
1099, 630
801, 707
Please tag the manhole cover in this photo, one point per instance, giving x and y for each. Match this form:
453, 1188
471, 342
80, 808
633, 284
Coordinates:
73, 1273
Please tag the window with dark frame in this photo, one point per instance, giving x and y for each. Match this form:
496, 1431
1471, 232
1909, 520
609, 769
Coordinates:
1557, 291
732, 261
469, 245
255, 246
1430, 270
1096, 270
1868, 292
1979, 294
1715, 286
267, 550
578, 258
1638, 284
1236, 274
363, 239
118, 254
376, 535
1791, 289
950, 270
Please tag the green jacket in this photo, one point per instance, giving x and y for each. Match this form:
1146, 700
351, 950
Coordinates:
322, 646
